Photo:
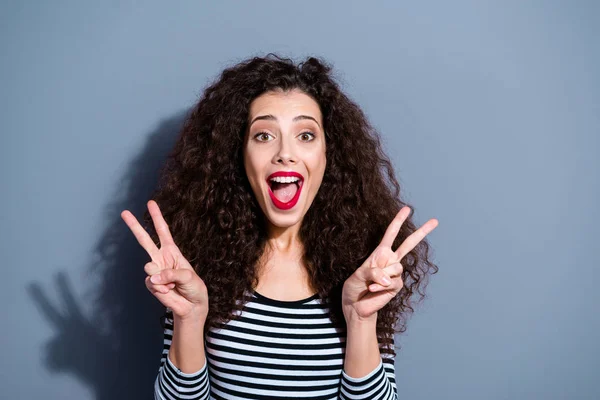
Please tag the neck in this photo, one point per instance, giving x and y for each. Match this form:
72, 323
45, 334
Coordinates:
283, 247
284, 240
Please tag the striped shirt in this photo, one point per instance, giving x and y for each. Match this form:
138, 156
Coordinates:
275, 350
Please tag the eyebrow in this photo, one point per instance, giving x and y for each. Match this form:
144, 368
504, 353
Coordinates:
270, 117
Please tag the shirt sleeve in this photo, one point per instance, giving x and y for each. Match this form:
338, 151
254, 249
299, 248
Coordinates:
378, 384
171, 383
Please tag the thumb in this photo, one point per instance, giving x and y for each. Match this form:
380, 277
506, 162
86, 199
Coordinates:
180, 277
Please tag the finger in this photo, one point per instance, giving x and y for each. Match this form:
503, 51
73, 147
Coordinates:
397, 284
156, 288
140, 234
162, 229
377, 275
394, 227
177, 276
152, 268
375, 287
414, 239
394, 270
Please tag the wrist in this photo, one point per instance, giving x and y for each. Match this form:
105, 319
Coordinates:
194, 317
353, 320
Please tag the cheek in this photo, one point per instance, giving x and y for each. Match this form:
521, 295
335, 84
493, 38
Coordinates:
252, 166
317, 163
251, 174
256, 158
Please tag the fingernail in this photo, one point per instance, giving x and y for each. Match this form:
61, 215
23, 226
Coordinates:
155, 278
386, 280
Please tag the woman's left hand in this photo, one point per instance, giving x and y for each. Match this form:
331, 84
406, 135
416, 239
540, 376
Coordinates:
366, 291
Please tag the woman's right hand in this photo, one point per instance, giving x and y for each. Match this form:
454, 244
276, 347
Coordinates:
171, 278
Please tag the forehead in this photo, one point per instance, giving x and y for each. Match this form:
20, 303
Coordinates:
285, 104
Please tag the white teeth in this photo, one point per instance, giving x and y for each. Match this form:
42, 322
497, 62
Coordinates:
288, 179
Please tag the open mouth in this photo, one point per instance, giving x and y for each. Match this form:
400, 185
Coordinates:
285, 191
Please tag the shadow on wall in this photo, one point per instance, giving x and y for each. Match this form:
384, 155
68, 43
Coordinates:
116, 351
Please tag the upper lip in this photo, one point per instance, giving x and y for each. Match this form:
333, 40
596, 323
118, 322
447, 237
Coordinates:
285, 174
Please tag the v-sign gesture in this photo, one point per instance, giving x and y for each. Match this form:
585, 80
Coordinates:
379, 279
170, 278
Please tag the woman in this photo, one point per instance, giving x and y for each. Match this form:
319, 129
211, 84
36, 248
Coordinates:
288, 256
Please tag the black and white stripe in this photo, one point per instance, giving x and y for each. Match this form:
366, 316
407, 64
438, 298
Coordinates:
274, 350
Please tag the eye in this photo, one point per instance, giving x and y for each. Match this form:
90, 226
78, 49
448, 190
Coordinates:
261, 134
307, 133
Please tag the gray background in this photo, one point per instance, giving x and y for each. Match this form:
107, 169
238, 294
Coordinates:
490, 111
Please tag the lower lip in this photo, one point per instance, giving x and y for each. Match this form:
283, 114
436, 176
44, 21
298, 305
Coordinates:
286, 206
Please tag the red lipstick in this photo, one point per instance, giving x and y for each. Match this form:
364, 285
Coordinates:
279, 204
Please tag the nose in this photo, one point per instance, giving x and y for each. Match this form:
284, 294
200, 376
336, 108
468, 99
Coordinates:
285, 152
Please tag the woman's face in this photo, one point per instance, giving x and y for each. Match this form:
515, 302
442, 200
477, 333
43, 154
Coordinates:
285, 142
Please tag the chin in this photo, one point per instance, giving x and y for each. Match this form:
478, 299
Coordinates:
281, 220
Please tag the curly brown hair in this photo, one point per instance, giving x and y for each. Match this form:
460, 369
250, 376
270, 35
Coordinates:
216, 221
